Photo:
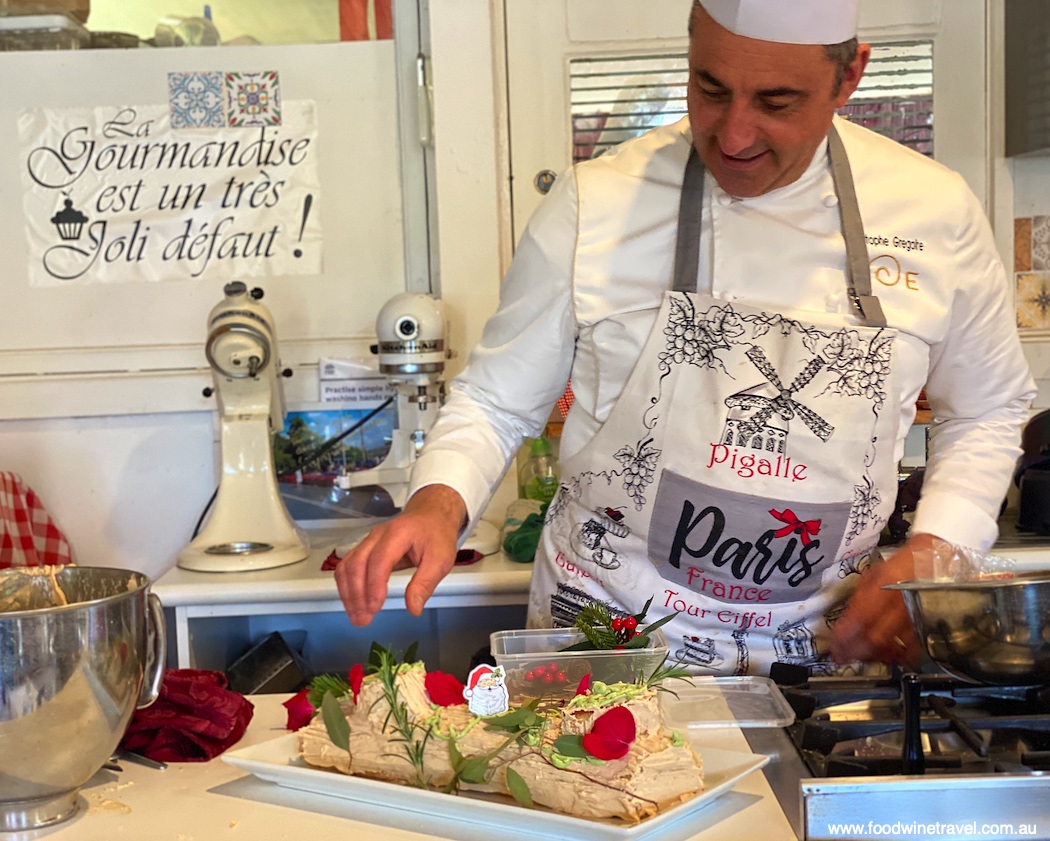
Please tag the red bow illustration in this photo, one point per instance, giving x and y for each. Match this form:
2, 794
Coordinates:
808, 528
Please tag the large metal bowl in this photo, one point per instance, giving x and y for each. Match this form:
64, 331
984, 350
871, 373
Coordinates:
71, 676
994, 631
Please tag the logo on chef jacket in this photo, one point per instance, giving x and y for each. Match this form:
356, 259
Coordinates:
738, 548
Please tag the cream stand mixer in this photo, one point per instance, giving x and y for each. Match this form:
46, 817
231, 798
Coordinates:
249, 527
412, 349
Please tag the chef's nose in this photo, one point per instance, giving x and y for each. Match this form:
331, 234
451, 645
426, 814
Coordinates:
738, 131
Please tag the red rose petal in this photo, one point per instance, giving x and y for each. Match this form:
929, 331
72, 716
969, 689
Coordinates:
585, 685
612, 734
444, 690
357, 677
300, 710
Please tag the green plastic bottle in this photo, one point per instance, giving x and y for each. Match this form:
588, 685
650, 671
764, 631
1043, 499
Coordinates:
538, 478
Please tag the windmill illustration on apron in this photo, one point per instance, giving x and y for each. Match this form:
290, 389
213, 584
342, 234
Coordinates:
750, 422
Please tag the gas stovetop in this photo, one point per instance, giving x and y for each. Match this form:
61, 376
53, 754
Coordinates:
913, 756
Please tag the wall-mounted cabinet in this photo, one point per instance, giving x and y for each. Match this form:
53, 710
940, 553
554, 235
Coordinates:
1027, 77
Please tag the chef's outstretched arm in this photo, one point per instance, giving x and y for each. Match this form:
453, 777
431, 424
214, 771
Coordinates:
423, 535
980, 389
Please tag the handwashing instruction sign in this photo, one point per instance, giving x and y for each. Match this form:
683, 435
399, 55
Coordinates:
220, 183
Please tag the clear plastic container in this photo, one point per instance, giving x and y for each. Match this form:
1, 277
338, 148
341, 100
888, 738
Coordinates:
521, 652
41, 32
745, 701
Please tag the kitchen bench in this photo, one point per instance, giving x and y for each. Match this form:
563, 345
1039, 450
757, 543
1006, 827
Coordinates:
212, 618
213, 801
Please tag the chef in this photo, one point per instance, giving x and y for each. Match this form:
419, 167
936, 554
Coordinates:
748, 303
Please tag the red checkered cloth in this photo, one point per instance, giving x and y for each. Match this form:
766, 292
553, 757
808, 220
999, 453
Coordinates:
30, 537
566, 400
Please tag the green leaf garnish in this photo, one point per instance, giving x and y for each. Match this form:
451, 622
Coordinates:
410, 653
335, 722
640, 617
570, 745
475, 770
511, 720
518, 788
648, 629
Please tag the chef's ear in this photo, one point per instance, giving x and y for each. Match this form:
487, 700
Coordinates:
852, 74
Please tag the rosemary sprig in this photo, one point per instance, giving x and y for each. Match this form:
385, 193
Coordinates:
384, 663
665, 672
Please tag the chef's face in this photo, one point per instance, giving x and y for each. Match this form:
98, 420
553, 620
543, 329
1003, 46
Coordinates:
759, 109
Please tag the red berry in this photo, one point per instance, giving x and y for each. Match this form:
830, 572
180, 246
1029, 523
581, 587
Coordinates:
552, 668
561, 677
530, 676
548, 678
538, 670
637, 633
617, 624
630, 623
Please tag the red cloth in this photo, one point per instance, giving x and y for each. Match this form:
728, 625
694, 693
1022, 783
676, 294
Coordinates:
30, 537
194, 719
354, 19
566, 400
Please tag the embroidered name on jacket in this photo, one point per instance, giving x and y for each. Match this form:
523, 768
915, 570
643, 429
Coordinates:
740, 548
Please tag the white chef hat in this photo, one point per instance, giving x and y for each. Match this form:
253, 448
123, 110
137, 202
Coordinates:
787, 21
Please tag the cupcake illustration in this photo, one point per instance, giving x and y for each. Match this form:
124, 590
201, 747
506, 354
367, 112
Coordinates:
69, 221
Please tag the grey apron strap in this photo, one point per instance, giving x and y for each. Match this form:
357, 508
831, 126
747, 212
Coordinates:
858, 275
690, 209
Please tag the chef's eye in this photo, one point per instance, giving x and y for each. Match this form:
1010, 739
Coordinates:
774, 105
713, 94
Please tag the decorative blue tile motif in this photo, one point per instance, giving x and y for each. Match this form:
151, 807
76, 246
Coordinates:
253, 99
196, 100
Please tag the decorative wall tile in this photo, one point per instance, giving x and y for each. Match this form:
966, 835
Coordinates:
1041, 243
196, 100
253, 99
1023, 244
1033, 300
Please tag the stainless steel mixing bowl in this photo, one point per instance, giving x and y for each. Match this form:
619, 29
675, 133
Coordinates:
71, 675
993, 631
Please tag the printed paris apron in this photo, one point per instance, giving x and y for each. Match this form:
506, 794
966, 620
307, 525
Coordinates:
743, 475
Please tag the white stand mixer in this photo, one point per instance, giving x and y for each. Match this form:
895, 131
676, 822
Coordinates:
249, 527
412, 350
411, 329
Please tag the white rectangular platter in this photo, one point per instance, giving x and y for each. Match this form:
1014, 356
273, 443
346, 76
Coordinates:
277, 761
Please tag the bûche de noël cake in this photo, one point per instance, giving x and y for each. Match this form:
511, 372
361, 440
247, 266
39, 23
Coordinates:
604, 753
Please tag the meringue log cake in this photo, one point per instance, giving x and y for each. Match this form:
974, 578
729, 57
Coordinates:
603, 754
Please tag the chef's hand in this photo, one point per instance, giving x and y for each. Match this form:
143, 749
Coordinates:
875, 626
423, 535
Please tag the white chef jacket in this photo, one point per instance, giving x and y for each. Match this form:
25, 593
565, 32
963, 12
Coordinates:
583, 291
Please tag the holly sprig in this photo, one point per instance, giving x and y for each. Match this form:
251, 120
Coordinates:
605, 630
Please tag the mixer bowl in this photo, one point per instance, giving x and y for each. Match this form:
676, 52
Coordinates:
80, 649
994, 631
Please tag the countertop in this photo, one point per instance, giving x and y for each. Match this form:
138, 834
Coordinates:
214, 801
493, 576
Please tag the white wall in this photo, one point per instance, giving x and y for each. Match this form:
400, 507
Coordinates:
128, 490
